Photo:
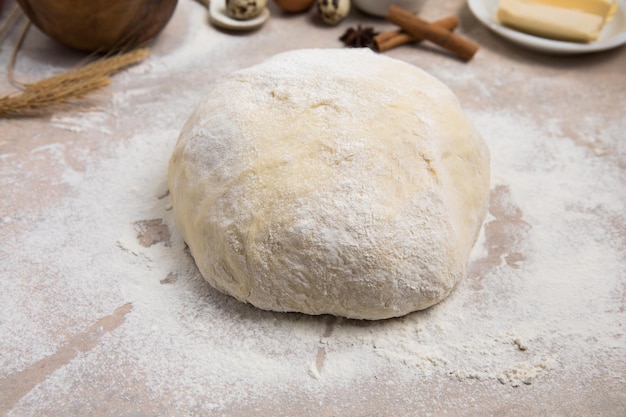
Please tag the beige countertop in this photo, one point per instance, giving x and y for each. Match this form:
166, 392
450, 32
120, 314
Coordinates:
102, 311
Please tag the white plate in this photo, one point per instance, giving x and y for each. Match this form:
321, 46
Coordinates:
219, 17
613, 34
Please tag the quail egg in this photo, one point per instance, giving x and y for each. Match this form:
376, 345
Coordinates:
245, 9
333, 11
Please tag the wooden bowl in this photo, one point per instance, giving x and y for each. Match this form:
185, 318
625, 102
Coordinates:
99, 25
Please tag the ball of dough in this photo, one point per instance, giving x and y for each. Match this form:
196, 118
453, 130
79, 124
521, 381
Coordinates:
245, 9
331, 181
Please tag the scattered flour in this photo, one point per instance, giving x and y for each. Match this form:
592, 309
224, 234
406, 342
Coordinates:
87, 122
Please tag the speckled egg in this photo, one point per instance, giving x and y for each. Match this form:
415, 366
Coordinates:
333, 11
245, 9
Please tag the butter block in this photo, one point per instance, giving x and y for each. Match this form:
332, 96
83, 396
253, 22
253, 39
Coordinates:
599, 7
612, 11
550, 21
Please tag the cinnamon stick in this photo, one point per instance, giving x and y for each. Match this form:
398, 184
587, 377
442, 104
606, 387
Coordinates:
388, 40
420, 28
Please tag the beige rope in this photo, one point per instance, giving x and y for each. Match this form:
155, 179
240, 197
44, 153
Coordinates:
11, 66
6, 26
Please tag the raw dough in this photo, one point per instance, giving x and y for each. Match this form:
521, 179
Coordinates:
331, 181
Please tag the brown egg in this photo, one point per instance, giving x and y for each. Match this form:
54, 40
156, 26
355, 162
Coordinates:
99, 25
295, 6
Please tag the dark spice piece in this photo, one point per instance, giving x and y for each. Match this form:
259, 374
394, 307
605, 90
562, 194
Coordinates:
359, 37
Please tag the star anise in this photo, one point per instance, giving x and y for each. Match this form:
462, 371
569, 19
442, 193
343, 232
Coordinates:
359, 37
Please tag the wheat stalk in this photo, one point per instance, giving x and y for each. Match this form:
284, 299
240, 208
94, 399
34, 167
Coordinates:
35, 102
58, 90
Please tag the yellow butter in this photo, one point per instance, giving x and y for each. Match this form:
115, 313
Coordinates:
612, 11
599, 7
547, 20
